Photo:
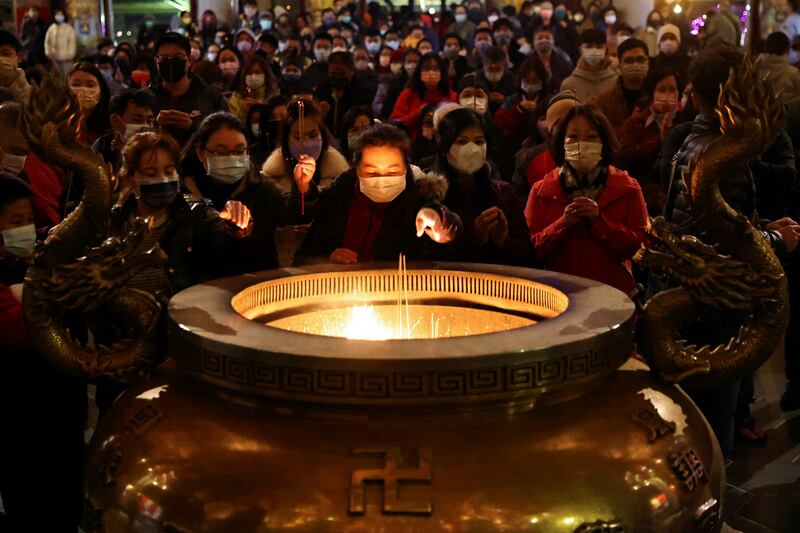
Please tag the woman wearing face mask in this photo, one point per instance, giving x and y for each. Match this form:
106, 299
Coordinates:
216, 166
230, 61
291, 81
607, 21
383, 65
381, 208
648, 34
355, 121
245, 41
670, 53
196, 240
428, 85
494, 228
312, 144
521, 111
587, 218
91, 91
208, 27
259, 85
643, 133
60, 42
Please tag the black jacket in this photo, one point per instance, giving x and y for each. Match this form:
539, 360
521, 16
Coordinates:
200, 101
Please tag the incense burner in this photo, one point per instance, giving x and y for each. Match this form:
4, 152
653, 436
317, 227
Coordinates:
497, 399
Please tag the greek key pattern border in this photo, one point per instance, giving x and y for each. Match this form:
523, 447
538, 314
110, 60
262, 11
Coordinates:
271, 379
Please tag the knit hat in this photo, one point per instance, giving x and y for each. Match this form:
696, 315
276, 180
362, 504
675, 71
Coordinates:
559, 106
668, 28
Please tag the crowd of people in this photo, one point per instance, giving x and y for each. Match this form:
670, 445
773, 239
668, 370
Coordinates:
543, 136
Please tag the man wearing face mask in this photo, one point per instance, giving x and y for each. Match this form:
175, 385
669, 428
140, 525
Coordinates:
617, 103
462, 26
31, 35
563, 32
555, 60
381, 208
131, 112
670, 53
372, 43
249, 18
12, 78
317, 73
496, 76
594, 74
454, 54
108, 69
503, 32
181, 102
341, 91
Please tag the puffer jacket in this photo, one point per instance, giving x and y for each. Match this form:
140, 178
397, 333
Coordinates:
60, 42
602, 251
783, 76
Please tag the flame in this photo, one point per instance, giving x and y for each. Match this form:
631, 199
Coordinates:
364, 324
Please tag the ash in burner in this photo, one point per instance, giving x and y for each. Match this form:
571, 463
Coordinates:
417, 321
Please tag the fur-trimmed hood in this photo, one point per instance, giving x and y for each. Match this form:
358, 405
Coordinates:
431, 185
331, 165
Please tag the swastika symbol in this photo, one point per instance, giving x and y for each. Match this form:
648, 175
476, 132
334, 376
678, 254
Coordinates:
394, 472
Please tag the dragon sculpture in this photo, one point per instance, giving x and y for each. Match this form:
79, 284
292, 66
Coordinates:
738, 274
78, 273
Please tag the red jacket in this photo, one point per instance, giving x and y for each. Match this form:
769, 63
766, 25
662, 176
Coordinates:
13, 331
601, 252
540, 166
47, 183
409, 104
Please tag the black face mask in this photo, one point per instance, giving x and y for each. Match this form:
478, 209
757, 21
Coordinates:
338, 82
172, 69
158, 195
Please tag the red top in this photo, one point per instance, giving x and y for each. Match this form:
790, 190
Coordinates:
601, 252
409, 104
540, 166
364, 221
46, 183
13, 330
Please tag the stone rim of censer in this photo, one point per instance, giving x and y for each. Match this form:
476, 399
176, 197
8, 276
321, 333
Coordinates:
586, 334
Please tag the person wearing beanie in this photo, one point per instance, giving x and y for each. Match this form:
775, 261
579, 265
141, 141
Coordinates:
617, 103
671, 53
594, 74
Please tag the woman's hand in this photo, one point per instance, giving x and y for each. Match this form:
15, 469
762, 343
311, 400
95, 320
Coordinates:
492, 223
304, 172
236, 213
430, 222
581, 208
343, 256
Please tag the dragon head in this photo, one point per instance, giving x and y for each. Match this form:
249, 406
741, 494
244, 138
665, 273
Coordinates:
90, 281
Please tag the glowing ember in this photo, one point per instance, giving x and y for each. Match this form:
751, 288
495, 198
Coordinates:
363, 323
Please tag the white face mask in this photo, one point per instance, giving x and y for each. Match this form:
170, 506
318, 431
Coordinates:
256, 81
133, 129
13, 164
227, 169
477, 103
382, 189
20, 241
8, 70
493, 77
583, 156
87, 97
668, 46
634, 71
468, 158
593, 56
610, 19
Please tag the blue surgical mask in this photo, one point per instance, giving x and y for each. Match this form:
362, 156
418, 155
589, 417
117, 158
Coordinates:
266, 24
108, 75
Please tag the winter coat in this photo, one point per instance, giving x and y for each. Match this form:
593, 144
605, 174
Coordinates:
533, 163
465, 30
507, 85
587, 84
199, 101
329, 167
397, 233
640, 142
410, 103
783, 76
269, 206
601, 252
20, 88
60, 42
613, 104
198, 244
469, 200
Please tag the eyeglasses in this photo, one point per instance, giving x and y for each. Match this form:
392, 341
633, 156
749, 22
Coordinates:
240, 151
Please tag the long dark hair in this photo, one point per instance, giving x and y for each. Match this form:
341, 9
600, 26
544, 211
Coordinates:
98, 122
237, 84
190, 162
268, 135
450, 127
415, 83
311, 111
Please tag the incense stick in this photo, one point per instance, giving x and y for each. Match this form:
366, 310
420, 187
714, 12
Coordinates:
301, 112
